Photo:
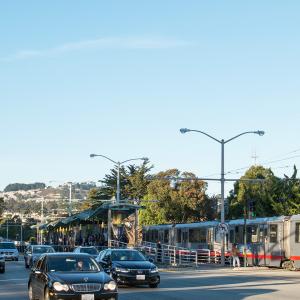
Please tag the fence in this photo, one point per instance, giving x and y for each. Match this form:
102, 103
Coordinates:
178, 256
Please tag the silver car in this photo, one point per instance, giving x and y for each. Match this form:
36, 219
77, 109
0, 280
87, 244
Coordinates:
9, 250
33, 253
91, 250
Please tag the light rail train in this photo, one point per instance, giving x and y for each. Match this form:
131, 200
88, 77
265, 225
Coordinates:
273, 241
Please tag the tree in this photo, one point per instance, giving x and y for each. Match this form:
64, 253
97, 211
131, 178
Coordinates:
13, 187
187, 203
94, 198
272, 196
286, 199
2, 206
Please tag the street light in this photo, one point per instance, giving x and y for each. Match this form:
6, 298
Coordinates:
118, 163
222, 179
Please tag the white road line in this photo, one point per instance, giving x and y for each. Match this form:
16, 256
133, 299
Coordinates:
13, 279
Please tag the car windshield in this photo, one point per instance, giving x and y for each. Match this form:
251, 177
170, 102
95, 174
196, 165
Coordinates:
7, 246
40, 250
89, 250
127, 255
72, 264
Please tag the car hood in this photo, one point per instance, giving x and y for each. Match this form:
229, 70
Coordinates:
133, 264
79, 277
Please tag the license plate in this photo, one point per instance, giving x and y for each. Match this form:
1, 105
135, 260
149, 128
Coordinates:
87, 297
140, 277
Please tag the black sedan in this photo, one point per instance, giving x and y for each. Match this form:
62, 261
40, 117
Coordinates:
59, 276
129, 267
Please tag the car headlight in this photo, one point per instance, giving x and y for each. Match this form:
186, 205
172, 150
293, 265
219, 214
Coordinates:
154, 270
110, 286
60, 287
122, 270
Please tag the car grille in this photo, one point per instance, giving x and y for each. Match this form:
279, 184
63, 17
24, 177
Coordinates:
139, 271
6, 253
86, 287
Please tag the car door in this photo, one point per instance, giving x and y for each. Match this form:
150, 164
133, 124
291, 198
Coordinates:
106, 261
40, 276
34, 278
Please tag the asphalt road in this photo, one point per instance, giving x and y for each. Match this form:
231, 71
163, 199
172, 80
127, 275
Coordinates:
205, 283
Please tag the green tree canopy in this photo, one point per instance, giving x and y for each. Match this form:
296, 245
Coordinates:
271, 196
187, 203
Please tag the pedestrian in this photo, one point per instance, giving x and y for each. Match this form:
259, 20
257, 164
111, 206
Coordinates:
158, 249
235, 255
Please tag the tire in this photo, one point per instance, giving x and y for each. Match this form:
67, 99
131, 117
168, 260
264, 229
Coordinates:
153, 285
2, 270
30, 293
16, 259
288, 265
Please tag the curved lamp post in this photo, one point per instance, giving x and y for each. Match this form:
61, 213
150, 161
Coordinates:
118, 163
222, 179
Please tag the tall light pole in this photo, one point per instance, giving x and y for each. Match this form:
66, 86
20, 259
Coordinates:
70, 197
118, 164
222, 179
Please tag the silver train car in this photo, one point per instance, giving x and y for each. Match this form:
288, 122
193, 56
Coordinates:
273, 241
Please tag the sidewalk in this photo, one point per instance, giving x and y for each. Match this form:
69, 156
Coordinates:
203, 267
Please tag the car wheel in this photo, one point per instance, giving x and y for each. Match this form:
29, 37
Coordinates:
16, 259
153, 285
2, 270
46, 294
30, 292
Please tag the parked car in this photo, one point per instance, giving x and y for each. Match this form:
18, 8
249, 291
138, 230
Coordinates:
33, 253
70, 276
129, 266
2, 263
9, 250
91, 250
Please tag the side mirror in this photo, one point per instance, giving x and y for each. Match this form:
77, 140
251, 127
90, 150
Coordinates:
151, 259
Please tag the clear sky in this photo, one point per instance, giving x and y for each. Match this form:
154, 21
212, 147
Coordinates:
120, 78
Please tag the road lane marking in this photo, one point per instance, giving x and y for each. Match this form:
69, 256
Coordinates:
13, 279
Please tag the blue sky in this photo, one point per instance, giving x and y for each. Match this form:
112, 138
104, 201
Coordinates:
120, 78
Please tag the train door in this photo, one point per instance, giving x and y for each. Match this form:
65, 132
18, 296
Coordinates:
274, 249
261, 246
210, 238
185, 237
161, 236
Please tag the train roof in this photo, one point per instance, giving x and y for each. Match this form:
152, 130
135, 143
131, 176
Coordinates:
295, 218
159, 226
199, 224
231, 222
258, 220
185, 225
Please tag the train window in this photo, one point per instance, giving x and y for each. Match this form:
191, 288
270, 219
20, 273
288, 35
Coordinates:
262, 233
273, 233
178, 235
166, 236
197, 235
239, 234
193, 235
297, 234
231, 236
